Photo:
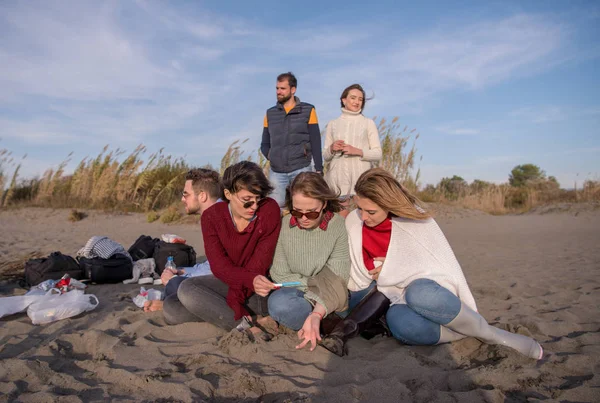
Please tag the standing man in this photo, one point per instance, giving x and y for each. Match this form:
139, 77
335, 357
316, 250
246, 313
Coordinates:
291, 138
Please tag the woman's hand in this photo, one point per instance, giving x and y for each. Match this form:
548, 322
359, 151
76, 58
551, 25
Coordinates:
310, 332
378, 261
347, 149
337, 145
262, 285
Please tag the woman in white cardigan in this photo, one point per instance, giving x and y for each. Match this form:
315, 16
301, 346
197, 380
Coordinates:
352, 143
397, 246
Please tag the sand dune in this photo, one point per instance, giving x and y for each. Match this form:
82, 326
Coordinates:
537, 274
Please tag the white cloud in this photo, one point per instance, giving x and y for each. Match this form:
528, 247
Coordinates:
84, 75
459, 131
541, 114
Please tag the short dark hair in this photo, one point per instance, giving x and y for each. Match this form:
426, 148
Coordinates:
205, 180
246, 175
354, 87
289, 77
312, 184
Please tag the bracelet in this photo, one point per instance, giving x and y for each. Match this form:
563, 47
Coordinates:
317, 313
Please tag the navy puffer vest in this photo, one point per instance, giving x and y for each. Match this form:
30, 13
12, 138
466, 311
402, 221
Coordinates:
290, 140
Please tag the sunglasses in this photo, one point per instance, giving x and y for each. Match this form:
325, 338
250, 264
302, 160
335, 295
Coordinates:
311, 215
250, 203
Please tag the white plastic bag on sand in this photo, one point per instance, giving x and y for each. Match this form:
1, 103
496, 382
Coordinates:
147, 295
16, 304
62, 306
172, 238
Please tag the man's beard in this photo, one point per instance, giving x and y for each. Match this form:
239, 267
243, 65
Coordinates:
284, 99
192, 209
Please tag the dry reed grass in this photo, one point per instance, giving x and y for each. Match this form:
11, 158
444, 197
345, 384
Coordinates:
505, 199
397, 157
115, 181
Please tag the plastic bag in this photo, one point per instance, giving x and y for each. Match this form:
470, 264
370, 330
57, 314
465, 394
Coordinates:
16, 304
172, 238
56, 307
147, 295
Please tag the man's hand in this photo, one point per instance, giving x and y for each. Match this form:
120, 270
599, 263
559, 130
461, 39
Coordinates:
310, 331
378, 261
337, 145
167, 275
262, 285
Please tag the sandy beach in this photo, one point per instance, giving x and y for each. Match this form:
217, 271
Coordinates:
537, 274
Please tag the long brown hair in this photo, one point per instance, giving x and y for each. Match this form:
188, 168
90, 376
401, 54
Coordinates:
312, 184
380, 186
354, 87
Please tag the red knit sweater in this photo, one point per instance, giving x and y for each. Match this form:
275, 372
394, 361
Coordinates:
237, 257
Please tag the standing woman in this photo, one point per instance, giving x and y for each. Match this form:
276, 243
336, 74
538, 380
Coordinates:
352, 144
239, 240
397, 245
312, 252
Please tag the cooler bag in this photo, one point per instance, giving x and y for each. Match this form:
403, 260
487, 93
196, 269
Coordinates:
143, 248
113, 270
183, 255
52, 267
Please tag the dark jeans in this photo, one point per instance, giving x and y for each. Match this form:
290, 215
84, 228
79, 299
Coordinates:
173, 285
202, 299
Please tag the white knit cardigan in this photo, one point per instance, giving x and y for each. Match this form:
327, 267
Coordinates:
360, 132
418, 249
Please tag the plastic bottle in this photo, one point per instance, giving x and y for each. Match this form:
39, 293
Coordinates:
171, 265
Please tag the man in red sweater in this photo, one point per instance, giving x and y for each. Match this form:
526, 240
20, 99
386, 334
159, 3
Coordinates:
240, 236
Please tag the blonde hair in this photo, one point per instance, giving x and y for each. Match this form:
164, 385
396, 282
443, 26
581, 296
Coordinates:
380, 186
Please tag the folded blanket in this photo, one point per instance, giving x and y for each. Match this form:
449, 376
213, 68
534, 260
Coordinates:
103, 247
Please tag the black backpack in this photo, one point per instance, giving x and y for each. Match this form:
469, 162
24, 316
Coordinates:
113, 270
183, 255
143, 247
52, 267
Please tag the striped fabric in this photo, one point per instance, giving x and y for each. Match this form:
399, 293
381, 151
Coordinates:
103, 247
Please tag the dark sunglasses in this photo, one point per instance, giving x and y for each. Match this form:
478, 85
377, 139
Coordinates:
311, 216
250, 203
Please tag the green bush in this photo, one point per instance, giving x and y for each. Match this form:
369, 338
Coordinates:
152, 216
170, 215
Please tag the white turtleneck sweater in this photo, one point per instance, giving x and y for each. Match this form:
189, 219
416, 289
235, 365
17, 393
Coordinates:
360, 132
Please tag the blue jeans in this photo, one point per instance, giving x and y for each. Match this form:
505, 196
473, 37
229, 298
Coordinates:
281, 181
354, 298
288, 307
428, 305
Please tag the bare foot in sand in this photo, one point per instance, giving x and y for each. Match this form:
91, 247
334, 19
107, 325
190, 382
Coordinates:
154, 305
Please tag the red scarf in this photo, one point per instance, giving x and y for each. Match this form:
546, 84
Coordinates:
375, 241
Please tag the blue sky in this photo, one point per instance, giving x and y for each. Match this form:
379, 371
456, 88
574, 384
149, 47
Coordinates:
488, 85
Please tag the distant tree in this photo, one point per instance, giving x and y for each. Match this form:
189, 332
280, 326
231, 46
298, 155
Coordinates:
452, 187
478, 185
523, 175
